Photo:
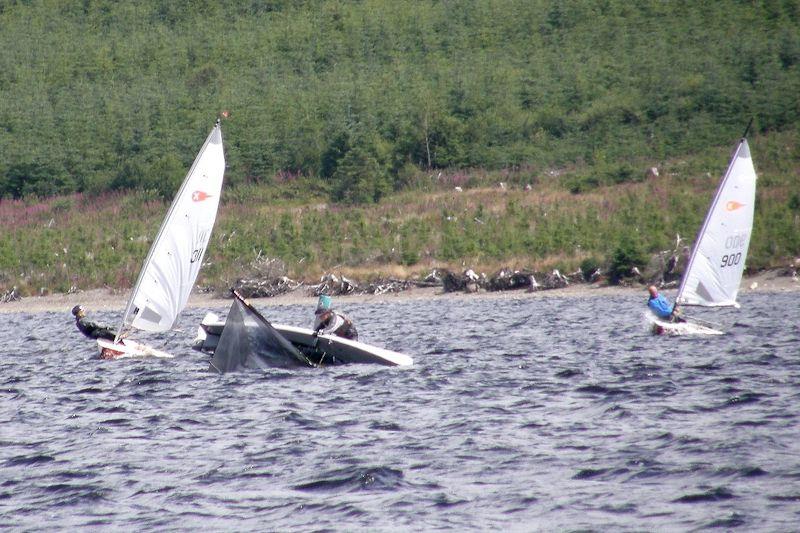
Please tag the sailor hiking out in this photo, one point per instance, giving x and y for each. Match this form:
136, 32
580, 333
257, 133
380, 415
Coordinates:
89, 328
660, 306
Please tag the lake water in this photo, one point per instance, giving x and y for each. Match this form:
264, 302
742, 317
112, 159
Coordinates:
524, 414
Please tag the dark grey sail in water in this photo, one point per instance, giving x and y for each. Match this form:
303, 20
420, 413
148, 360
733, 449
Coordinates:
249, 341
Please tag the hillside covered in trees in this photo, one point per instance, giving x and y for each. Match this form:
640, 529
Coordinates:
101, 95
350, 123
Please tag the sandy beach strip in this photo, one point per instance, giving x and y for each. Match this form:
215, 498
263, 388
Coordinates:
110, 300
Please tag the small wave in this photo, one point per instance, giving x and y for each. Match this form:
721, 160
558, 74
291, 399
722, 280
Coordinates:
601, 389
159, 490
752, 471
568, 373
647, 469
590, 473
368, 379
256, 474
785, 498
617, 412
29, 460
385, 426
76, 474
349, 480
12, 393
734, 520
744, 399
751, 423
444, 501
144, 382
115, 422
713, 495
330, 510
70, 494
300, 420
109, 410
625, 508
90, 390
189, 422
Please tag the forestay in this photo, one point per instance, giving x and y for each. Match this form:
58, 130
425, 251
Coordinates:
717, 262
174, 260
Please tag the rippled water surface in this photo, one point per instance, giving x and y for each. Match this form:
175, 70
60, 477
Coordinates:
519, 414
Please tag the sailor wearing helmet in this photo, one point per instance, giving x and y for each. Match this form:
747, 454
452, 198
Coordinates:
330, 321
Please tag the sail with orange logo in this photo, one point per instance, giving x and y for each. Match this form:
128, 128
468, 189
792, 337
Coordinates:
173, 262
715, 268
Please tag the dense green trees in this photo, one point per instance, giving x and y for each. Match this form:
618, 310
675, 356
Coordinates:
101, 95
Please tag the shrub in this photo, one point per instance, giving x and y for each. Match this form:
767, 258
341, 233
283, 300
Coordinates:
627, 256
589, 266
358, 178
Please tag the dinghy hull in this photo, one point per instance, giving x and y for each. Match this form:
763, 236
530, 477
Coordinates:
662, 327
127, 348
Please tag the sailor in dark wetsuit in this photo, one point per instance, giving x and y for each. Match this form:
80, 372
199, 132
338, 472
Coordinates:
89, 328
330, 321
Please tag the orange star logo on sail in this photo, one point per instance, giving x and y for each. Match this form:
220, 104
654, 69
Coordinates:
199, 196
733, 205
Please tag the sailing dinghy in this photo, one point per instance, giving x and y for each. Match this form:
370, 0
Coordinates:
173, 262
715, 268
247, 340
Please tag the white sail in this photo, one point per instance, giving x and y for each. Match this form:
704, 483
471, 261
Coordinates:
715, 268
174, 260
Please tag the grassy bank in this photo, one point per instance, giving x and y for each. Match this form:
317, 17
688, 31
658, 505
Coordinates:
569, 215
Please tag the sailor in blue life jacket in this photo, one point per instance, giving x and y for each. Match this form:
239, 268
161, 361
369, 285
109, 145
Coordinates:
330, 321
89, 328
660, 307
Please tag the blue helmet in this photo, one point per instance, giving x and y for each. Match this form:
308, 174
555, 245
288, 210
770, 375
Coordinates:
323, 304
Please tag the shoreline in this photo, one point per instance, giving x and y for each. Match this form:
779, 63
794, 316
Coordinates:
111, 300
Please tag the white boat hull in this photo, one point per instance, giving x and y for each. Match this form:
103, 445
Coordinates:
342, 349
662, 327
127, 348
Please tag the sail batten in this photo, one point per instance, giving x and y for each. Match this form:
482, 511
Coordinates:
174, 259
716, 265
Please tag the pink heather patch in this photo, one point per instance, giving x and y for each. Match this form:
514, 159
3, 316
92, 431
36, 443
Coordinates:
17, 213
457, 179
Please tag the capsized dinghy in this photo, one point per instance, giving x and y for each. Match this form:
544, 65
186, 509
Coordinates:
248, 340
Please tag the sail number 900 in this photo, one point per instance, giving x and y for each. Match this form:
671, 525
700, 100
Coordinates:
731, 259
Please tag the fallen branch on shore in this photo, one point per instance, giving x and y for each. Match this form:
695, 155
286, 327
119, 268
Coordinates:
261, 288
11, 295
